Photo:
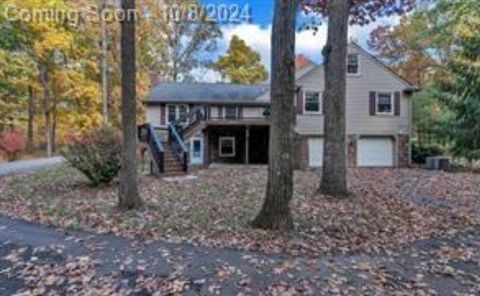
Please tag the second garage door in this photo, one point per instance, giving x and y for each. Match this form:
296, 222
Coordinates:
375, 152
315, 152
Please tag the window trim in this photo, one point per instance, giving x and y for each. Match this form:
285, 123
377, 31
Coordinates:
225, 112
177, 112
320, 102
359, 72
392, 102
223, 139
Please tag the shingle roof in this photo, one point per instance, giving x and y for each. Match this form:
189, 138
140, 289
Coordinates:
301, 61
208, 93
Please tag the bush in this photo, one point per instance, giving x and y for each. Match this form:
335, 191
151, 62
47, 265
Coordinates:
97, 155
12, 143
420, 151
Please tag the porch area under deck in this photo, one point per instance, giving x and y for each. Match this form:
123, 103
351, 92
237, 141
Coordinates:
236, 144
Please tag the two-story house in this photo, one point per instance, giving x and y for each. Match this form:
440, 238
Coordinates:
200, 124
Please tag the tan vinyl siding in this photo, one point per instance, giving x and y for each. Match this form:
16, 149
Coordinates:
215, 112
253, 112
153, 115
309, 124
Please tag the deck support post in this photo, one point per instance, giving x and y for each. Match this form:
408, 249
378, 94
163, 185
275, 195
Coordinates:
247, 144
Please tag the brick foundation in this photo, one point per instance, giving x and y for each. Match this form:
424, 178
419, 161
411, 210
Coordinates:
352, 151
301, 152
403, 148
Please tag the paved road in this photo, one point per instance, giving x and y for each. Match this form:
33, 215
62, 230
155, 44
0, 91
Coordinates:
424, 267
18, 167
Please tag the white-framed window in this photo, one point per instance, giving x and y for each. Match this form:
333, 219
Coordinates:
353, 64
227, 146
231, 112
175, 112
312, 102
384, 103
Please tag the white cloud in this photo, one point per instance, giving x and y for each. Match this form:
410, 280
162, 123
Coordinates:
206, 75
255, 36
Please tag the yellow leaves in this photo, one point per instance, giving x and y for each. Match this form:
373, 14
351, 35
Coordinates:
53, 40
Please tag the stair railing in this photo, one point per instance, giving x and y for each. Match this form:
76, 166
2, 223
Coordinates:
189, 120
147, 134
180, 150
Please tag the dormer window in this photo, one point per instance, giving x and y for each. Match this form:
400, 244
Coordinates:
353, 64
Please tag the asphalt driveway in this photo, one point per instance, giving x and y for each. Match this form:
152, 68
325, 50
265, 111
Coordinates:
36, 259
19, 167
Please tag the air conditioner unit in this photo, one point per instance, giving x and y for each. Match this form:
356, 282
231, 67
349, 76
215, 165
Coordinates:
438, 163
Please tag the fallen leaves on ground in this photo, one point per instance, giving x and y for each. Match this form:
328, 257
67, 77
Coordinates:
78, 276
388, 207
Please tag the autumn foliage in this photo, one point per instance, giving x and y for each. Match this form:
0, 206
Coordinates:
12, 143
96, 155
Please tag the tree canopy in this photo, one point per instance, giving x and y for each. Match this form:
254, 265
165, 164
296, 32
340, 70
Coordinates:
438, 48
241, 64
50, 71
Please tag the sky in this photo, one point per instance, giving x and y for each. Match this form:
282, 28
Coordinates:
257, 32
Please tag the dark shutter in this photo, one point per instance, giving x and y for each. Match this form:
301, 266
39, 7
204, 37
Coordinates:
397, 103
322, 97
163, 120
240, 112
300, 102
373, 102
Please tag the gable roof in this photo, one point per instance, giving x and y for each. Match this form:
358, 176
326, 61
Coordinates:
208, 93
380, 63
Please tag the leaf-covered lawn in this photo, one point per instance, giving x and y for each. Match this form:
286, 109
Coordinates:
388, 208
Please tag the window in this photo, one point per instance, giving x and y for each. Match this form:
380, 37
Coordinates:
312, 102
353, 65
172, 113
384, 103
197, 148
175, 112
231, 112
227, 147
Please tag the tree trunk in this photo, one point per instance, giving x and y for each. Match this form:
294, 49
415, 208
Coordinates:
54, 123
128, 189
43, 71
31, 117
104, 65
334, 180
275, 213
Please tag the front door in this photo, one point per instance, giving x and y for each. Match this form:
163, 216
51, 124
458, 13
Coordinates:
196, 151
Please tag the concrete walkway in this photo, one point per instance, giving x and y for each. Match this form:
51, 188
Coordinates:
424, 268
19, 167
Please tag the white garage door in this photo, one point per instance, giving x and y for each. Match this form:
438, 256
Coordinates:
315, 152
375, 152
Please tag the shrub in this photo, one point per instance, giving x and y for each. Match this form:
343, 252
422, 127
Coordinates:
96, 155
12, 143
420, 151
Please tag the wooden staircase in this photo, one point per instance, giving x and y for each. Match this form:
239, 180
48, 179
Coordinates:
194, 128
170, 157
172, 166
164, 160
